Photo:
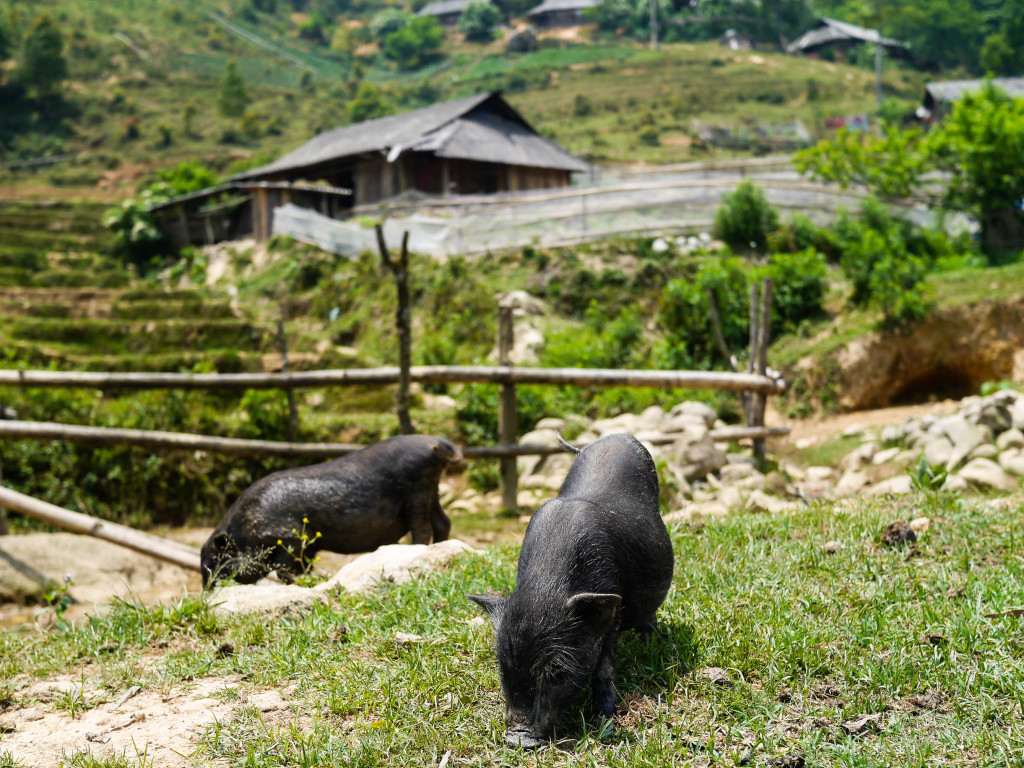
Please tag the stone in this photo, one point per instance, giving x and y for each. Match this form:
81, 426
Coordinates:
891, 435
270, 599
886, 455
1011, 438
894, 486
732, 473
715, 676
398, 563
651, 418
548, 423
756, 482
996, 416
984, 451
1017, 414
817, 474
697, 457
803, 443
693, 407
624, 422
731, 497
1012, 461
859, 457
986, 473
905, 458
964, 436
831, 547
850, 483
854, 430
955, 483
938, 450
527, 465
898, 532
712, 509
683, 422
758, 501
660, 245
775, 483
34, 563
920, 524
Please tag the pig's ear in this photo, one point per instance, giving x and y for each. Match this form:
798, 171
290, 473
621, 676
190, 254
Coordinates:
493, 604
596, 610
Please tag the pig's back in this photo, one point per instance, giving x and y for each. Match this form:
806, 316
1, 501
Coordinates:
615, 469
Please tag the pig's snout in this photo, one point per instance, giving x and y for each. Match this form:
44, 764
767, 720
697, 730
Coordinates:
522, 739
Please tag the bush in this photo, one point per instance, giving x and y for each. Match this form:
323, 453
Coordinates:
388, 22
415, 44
744, 219
800, 282
799, 234
478, 21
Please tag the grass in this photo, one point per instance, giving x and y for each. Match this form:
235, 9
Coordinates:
811, 643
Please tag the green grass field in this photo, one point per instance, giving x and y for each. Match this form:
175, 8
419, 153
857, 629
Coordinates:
923, 641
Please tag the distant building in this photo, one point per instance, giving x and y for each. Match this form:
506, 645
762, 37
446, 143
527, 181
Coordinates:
448, 12
840, 37
477, 145
560, 13
737, 41
940, 96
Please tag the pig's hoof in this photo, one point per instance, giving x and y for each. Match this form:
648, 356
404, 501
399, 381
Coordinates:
521, 739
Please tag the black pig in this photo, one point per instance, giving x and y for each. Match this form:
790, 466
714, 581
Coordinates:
355, 503
595, 560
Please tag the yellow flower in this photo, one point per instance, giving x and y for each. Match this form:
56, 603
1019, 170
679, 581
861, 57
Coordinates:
305, 520
278, 541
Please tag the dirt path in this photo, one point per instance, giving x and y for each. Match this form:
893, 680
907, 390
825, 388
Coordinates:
819, 430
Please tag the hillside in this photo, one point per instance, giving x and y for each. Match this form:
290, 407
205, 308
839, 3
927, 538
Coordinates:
144, 80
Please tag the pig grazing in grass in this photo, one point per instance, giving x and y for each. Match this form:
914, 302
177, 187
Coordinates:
595, 560
352, 504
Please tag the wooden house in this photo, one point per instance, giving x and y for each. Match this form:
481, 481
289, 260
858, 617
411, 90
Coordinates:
939, 97
560, 13
477, 145
840, 38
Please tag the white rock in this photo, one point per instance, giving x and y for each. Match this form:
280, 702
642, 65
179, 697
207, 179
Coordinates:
964, 436
803, 443
732, 473
885, 456
527, 465
853, 430
693, 407
683, 422
955, 483
792, 470
398, 563
660, 245
984, 451
1012, 461
920, 524
731, 497
860, 456
891, 434
894, 486
758, 501
1011, 438
1017, 414
755, 482
906, 458
819, 473
985, 472
273, 599
624, 422
548, 423
938, 450
651, 418
525, 302
850, 483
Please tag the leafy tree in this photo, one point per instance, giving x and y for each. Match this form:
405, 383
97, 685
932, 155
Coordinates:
43, 66
186, 177
415, 44
388, 22
744, 219
800, 281
232, 98
369, 103
478, 21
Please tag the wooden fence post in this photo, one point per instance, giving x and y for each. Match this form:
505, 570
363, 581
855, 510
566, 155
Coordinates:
764, 331
507, 411
403, 321
293, 408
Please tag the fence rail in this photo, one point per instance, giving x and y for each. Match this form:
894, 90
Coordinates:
423, 374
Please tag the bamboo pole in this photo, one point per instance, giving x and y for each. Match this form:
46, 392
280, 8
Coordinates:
153, 546
139, 438
507, 417
424, 374
764, 333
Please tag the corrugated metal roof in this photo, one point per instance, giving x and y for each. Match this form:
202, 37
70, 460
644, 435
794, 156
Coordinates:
952, 90
830, 30
490, 138
444, 7
562, 5
398, 133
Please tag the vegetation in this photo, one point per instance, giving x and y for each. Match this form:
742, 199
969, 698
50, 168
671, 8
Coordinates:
905, 656
478, 21
745, 218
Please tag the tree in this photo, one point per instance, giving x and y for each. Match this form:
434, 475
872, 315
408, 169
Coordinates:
43, 66
414, 44
478, 21
368, 103
232, 99
745, 218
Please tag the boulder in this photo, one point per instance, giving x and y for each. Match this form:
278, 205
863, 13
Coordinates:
694, 408
891, 435
398, 563
984, 451
964, 436
819, 474
1011, 438
732, 473
886, 455
986, 473
1012, 461
894, 486
859, 457
955, 483
624, 422
938, 450
527, 465
549, 423
271, 599
651, 418
1017, 414
758, 501
697, 457
731, 497
850, 483
994, 415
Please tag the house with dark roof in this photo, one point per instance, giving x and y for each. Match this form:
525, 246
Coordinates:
477, 145
560, 13
840, 37
447, 12
939, 97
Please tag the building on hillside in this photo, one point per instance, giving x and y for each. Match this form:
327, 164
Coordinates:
840, 38
939, 97
560, 13
737, 41
472, 146
447, 12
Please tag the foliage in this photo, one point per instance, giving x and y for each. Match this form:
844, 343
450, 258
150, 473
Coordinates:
478, 21
369, 102
136, 236
799, 233
415, 44
388, 22
800, 281
43, 65
745, 218
232, 99
186, 177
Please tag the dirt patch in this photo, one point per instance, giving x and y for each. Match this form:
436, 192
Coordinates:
163, 726
818, 430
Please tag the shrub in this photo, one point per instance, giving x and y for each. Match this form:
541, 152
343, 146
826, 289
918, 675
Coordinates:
800, 233
414, 44
800, 281
388, 22
478, 21
744, 219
